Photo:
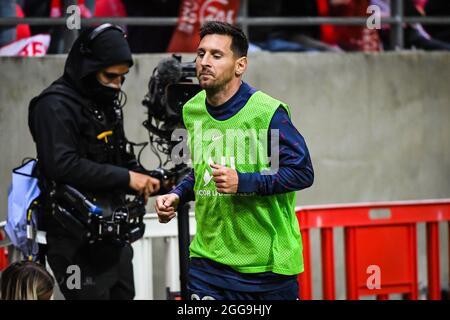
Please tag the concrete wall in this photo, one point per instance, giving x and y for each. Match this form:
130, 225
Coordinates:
377, 126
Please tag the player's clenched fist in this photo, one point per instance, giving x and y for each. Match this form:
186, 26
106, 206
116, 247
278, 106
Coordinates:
165, 207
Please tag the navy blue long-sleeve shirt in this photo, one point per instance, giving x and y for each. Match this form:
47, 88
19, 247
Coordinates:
295, 167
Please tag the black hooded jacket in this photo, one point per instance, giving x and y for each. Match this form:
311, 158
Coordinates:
64, 126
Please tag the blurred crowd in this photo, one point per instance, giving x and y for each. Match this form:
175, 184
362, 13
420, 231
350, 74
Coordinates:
192, 13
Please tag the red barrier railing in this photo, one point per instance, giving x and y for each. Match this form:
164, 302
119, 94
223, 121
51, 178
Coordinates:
378, 237
3, 254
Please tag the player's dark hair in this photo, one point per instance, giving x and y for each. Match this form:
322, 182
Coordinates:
239, 41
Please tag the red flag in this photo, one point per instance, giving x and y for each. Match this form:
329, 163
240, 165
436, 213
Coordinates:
193, 13
109, 8
326, 30
22, 30
34, 46
55, 9
85, 12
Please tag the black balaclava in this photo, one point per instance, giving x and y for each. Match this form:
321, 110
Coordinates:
109, 48
100, 93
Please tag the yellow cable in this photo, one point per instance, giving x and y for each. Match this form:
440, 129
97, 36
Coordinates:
104, 135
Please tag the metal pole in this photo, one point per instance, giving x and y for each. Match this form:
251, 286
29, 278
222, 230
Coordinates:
69, 36
183, 244
134, 21
250, 21
244, 15
397, 41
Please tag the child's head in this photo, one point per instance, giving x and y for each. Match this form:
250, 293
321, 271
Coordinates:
26, 280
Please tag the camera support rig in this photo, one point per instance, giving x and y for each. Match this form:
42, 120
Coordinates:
170, 87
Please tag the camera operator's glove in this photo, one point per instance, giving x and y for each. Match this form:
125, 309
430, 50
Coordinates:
165, 207
143, 184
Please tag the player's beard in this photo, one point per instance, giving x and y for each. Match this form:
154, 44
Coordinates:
216, 85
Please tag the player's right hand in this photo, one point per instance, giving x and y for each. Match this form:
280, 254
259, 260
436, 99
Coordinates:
165, 207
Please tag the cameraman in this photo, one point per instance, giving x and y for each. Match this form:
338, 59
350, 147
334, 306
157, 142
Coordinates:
77, 125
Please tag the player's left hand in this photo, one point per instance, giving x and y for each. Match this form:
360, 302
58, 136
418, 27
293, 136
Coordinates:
226, 179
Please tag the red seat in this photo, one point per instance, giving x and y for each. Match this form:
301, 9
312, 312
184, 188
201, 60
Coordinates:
384, 253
